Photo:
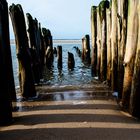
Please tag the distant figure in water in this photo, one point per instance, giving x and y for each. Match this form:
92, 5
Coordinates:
71, 61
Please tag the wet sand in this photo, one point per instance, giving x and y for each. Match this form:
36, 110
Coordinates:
71, 115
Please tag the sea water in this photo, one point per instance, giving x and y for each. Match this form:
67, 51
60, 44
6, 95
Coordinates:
81, 74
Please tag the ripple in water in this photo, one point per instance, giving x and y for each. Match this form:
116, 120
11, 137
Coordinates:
81, 74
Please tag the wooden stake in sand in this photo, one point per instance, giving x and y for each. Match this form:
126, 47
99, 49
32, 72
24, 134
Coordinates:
6, 72
94, 40
23, 54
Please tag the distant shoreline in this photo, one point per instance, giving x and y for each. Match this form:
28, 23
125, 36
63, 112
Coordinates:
60, 41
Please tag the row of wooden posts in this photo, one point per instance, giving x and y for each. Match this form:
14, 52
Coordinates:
30, 59
34, 48
115, 37
115, 52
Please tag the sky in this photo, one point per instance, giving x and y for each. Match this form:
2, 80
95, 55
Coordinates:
66, 19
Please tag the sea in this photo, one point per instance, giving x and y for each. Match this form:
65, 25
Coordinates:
80, 75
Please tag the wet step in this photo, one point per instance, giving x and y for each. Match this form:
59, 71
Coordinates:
72, 119
58, 114
77, 92
96, 87
75, 95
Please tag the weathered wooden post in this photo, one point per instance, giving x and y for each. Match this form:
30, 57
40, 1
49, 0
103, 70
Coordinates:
5, 62
34, 41
99, 36
135, 91
59, 59
42, 50
55, 51
122, 36
5, 34
38, 38
71, 61
86, 50
114, 46
48, 43
23, 54
31, 31
131, 45
94, 40
83, 50
103, 68
47, 37
109, 53
77, 51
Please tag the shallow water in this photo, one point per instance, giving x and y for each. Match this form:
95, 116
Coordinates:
81, 74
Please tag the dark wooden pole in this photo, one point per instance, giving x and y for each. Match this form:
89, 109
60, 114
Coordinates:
71, 61
42, 51
5, 32
86, 50
131, 45
55, 51
135, 91
5, 62
23, 53
83, 49
59, 53
109, 53
49, 57
94, 40
122, 36
77, 51
34, 41
88, 58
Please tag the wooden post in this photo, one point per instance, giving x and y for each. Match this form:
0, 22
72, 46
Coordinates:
47, 37
34, 41
135, 91
48, 51
83, 49
122, 36
71, 61
55, 51
109, 53
103, 68
5, 62
59, 52
77, 51
31, 32
23, 54
6, 38
131, 45
86, 50
38, 39
99, 36
42, 50
94, 40
87, 58
114, 46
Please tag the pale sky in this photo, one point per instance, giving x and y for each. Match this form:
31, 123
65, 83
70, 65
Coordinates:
67, 19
